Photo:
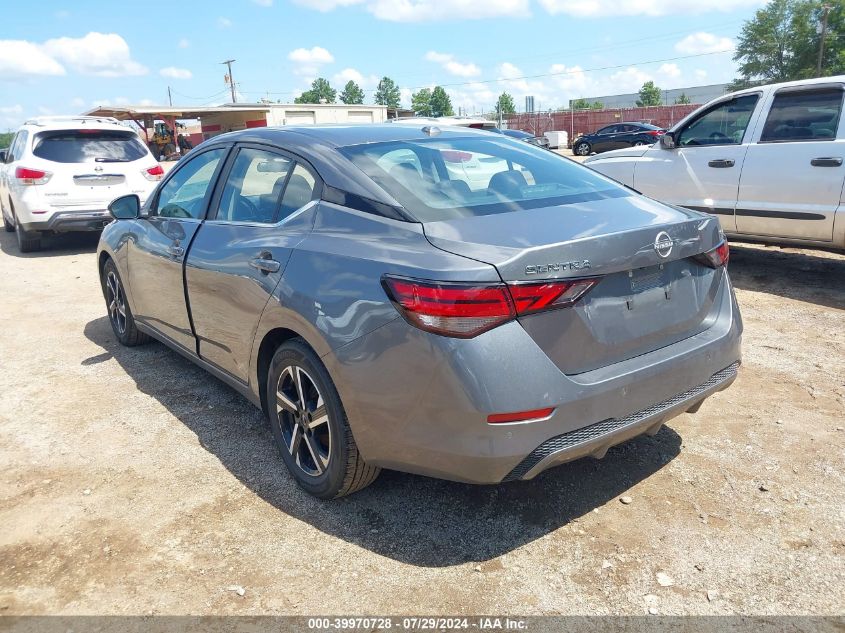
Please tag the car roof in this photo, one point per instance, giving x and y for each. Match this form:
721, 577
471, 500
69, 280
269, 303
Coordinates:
789, 84
50, 123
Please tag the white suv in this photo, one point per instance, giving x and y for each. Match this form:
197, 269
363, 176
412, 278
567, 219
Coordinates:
769, 161
60, 173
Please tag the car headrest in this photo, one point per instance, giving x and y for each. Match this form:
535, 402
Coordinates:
297, 194
407, 175
507, 182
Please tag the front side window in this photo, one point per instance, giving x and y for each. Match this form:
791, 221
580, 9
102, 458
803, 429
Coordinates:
467, 176
723, 124
254, 187
811, 115
183, 196
86, 146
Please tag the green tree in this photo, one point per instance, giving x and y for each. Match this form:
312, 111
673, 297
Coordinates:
352, 93
682, 99
388, 93
441, 104
781, 42
421, 102
650, 95
6, 139
321, 92
597, 105
505, 104
583, 104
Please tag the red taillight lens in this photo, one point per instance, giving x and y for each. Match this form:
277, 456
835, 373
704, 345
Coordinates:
536, 297
154, 173
520, 416
26, 176
717, 257
655, 132
455, 156
465, 310
452, 309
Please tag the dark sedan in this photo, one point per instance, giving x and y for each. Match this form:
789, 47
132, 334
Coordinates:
617, 136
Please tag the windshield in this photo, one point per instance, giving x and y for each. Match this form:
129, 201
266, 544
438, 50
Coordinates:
84, 146
446, 179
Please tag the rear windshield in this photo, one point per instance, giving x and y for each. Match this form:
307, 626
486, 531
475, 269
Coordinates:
85, 146
445, 179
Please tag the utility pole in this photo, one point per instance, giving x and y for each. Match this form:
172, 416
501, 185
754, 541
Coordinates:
228, 63
826, 9
169, 97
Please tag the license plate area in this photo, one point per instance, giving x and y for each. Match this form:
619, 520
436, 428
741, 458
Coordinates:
645, 279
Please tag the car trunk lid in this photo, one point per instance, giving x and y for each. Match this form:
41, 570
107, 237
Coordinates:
651, 292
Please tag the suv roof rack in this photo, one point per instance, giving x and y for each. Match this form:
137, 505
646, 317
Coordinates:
45, 120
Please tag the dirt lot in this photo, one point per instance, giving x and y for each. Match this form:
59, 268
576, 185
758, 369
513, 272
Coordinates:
132, 482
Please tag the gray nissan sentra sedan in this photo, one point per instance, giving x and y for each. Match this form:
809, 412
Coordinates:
441, 301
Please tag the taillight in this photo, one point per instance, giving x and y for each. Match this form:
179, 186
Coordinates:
455, 156
655, 132
153, 173
548, 295
26, 176
717, 257
464, 310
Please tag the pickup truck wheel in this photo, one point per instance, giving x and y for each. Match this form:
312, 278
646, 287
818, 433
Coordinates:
120, 316
27, 242
582, 149
310, 426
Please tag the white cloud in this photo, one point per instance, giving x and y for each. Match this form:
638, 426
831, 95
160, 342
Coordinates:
428, 10
78, 102
224, 23
670, 71
315, 55
263, 3
600, 8
100, 54
116, 101
175, 73
452, 66
20, 59
703, 43
366, 82
309, 60
184, 43
11, 116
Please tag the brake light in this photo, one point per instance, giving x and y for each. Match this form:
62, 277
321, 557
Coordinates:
153, 173
455, 156
547, 295
26, 176
520, 416
717, 257
656, 132
464, 310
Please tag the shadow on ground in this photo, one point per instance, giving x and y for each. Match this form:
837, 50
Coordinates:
803, 276
416, 520
52, 246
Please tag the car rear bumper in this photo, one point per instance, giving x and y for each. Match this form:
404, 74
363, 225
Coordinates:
419, 403
70, 221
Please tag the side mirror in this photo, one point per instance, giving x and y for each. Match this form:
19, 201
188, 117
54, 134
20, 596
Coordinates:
125, 207
2, 155
667, 141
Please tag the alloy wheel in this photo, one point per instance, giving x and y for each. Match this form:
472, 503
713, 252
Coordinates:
582, 149
116, 302
304, 420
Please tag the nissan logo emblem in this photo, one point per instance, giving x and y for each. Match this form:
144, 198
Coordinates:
663, 244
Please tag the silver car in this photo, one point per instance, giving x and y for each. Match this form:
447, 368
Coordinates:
441, 301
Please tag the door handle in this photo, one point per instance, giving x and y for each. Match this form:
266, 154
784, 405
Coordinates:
176, 251
826, 162
266, 264
721, 163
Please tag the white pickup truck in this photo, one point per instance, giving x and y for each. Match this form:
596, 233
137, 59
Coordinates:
768, 161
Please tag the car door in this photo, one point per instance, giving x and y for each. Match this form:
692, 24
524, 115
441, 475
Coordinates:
605, 139
626, 136
238, 257
702, 171
792, 179
157, 254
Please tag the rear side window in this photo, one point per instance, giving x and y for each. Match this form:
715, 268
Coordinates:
254, 187
86, 146
803, 116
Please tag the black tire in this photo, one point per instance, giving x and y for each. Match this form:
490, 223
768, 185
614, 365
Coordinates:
582, 148
10, 228
324, 459
122, 323
27, 241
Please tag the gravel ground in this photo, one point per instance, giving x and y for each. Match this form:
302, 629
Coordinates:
132, 482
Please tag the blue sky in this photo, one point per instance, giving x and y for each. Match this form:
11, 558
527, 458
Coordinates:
68, 57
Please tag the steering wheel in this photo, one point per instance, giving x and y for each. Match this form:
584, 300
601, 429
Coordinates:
718, 136
173, 210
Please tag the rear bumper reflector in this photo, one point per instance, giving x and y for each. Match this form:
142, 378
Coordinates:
520, 416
